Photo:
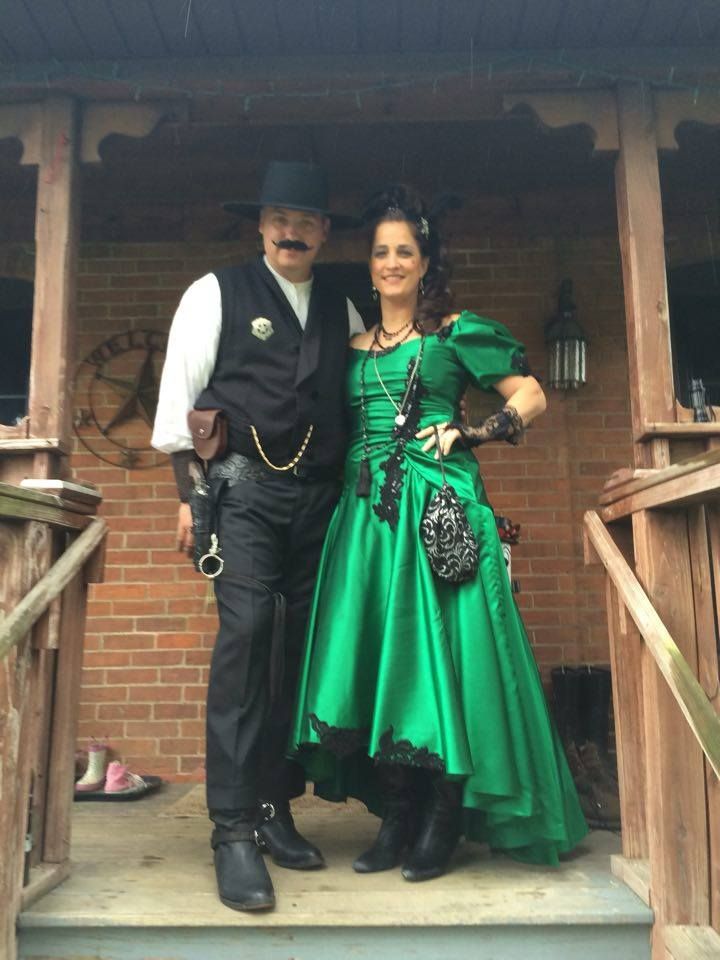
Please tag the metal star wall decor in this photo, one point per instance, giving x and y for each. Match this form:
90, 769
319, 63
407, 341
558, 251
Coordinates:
120, 380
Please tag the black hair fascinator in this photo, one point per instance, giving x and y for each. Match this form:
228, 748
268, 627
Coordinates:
409, 204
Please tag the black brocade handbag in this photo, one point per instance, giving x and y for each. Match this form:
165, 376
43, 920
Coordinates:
446, 533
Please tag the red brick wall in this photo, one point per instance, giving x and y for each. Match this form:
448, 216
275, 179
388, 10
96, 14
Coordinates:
151, 624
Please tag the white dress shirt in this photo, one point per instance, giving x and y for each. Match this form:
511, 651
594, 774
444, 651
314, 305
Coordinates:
192, 352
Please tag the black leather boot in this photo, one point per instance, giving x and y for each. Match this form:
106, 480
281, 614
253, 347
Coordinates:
242, 877
439, 834
277, 834
399, 824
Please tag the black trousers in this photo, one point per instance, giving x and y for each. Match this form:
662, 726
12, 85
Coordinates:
270, 530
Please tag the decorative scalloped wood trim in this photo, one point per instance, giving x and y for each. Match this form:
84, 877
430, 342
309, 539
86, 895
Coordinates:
128, 119
594, 108
23, 121
673, 107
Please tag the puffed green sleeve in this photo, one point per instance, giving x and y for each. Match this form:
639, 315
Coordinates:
487, 350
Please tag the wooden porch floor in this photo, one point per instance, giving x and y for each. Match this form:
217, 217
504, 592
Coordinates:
134, 868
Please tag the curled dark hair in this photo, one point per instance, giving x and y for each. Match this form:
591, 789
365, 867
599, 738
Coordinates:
400, 203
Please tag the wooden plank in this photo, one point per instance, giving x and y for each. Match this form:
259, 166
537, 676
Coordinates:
712, 513
679, 673
338, 28
66, 706
12, 508
221, 27
692, 943
56, 238
676, 804
638, 480
498, 25
634, 873
45, 641
581, 22
140, 30
98, 27
701, 485
26, 612
182, 29
43, 878
18, 544
640, 222
66, 490
419, 24
62, 32
31, 446
259, 26
379, 26
21, 32
297, 25
691, 430
626, 667
458, 24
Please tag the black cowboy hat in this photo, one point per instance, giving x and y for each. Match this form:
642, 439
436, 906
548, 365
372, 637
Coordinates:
293, 185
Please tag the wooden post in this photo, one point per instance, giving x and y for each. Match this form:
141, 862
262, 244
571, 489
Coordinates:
56, 238
676, 798
640, 223
63, 731
626, 662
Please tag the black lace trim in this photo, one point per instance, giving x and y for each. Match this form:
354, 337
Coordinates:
444, 332
520, 362
384, 351
402, 751
343, 741
387, 508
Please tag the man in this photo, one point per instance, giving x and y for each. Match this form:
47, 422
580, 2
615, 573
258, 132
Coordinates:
266, 343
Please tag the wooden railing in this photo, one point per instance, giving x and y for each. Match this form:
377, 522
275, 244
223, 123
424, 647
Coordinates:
664, 672
50, 549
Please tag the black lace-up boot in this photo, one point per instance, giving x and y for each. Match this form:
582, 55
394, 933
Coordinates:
399, 824
276, 833
439, 833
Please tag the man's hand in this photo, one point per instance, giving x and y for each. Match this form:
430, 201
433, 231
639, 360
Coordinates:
185, 538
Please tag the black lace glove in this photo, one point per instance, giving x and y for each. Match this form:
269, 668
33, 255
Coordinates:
506, 424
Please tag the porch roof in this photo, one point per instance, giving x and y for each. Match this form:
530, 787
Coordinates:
81, 30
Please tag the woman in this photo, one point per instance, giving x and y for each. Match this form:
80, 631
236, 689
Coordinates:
422, 696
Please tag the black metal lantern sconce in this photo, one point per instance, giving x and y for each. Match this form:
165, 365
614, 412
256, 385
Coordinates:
566, 344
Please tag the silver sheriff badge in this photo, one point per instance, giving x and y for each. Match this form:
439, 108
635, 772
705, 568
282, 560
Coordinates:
262, 328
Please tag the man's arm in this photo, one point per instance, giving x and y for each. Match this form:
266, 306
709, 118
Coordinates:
189, 363
355, 321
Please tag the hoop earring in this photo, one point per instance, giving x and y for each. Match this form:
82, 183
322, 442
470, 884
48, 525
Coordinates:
422, 287
373, 292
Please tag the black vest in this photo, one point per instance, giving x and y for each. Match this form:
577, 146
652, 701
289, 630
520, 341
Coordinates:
286, 381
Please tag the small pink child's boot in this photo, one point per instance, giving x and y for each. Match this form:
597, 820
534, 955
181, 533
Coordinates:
119, 779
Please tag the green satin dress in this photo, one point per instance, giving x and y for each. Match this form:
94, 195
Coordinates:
400, 666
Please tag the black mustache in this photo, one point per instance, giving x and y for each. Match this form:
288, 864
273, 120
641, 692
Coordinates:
291, 245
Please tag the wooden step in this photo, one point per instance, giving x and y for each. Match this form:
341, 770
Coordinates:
143, 886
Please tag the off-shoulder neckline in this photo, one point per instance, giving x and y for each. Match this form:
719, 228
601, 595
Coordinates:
443, 333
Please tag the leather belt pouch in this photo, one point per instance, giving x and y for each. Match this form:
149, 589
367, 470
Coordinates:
209, 432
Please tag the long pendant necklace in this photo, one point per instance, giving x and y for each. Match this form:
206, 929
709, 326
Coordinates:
399, 407
362, 488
